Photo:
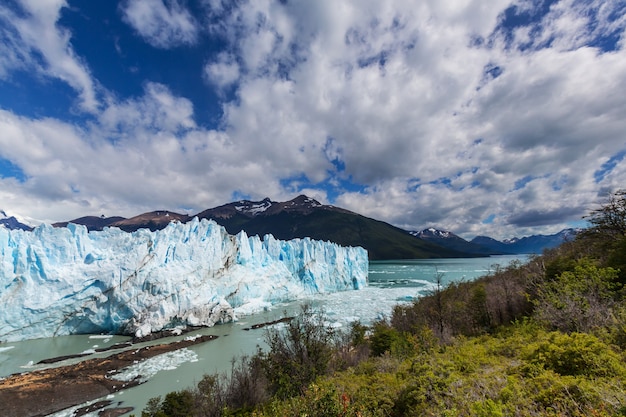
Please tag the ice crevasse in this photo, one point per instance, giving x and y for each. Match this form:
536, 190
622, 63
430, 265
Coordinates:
60, 281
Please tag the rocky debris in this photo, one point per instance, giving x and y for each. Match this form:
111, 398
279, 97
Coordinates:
268, 323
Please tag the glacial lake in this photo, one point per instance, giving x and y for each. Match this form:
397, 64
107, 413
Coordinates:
390, 283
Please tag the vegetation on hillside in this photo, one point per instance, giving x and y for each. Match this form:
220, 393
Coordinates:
543, 338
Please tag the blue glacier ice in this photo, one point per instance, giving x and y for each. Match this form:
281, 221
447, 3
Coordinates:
59, 281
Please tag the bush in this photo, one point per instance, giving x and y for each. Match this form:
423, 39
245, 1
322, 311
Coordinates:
175, 404
383, 338
488, 408
299, 354
575, 354
242, 390
578, 300
470, 308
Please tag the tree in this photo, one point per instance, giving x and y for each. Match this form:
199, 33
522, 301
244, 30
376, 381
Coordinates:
298, 354
175, 404
610, 219
178, 404
608, 233
383, 338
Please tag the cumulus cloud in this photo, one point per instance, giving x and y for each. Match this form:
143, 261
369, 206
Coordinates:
477, 117
32, 40
411, 103
157, 111
223, 71
162, 23
142, 154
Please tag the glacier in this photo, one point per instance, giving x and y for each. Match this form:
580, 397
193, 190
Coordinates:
61, 281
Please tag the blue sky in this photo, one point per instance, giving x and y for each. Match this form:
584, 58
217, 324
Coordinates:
479, 117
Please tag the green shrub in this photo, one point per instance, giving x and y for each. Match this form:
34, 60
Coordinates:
175, 404
357, 333
578, 300
575, 354
488, 408
383, 338
298, 354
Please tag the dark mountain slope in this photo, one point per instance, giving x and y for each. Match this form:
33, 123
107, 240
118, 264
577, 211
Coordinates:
10, 222
92, 222
305, 217
528, 244
154, 220
451, 241
297, 218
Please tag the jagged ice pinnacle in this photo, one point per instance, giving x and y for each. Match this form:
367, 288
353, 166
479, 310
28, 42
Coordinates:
59, 281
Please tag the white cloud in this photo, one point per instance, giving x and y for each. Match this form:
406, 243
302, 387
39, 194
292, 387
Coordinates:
157, 111
501, 136
162, 23
142, 154
36, 41
224, 71
404, 95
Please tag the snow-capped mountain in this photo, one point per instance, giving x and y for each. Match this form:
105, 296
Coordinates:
10, 222
450, 240
488, 246
301, 205
306, 217
528, 244
58, 281
297, 218
432, 233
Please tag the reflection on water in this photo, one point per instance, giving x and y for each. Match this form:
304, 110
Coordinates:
390, 283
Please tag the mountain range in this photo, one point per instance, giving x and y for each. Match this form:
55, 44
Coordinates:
306, 217
528, 244
10, 222
484, 245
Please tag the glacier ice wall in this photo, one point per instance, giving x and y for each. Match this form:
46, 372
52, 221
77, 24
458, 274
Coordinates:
58, 281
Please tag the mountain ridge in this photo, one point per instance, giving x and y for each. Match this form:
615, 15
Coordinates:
11, 222
534, 244
527, 244
448, 239
306, 217
297, 218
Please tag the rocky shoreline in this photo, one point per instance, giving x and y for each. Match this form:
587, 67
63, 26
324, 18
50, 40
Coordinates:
47, 391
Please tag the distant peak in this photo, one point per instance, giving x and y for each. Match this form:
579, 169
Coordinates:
303, 199
253, 208
432, 232
11, 222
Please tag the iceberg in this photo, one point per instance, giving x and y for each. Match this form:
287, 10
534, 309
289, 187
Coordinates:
60, 281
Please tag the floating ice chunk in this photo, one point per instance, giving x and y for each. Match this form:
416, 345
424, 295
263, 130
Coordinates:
148, 368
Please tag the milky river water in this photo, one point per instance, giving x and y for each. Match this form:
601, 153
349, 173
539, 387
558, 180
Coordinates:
390, 283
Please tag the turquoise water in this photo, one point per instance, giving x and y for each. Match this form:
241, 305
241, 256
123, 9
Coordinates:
390, 283
420, 272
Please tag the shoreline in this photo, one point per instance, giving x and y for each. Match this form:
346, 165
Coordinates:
47, 391
42, 392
